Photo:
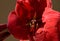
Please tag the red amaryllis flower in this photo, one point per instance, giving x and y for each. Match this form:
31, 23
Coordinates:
26, 18
29, 16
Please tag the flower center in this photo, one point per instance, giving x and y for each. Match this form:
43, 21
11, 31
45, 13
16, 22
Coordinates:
33, 24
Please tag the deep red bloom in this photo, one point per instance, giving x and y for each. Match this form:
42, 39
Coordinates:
29, 17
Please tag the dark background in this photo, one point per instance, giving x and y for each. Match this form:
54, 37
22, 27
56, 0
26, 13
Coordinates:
7, 5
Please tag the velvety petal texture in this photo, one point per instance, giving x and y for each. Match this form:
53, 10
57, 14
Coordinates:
34, 20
